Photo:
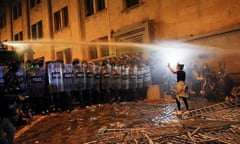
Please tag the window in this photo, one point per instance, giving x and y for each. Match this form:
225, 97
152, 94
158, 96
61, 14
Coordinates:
93, 6
34, 31
104, 49
131, 3
59, 55
61, 19
92, 52
65, 16
37, 31
33, 3
57, 21
2, 21
18, 36
40, 29
17, 10
89, 7
68, 55
100, 5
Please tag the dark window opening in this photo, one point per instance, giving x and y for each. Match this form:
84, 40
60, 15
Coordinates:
37, 30
65, 16
19, 9
21, 35
16, 10
131, 3
100, 5
57, 21
61, 19
104, 49
2, 21
92, 52
59, 55
33, 3
68, 55
89, 7
40, 29
18, 36
34, 31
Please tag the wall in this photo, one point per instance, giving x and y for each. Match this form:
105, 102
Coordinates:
226, 50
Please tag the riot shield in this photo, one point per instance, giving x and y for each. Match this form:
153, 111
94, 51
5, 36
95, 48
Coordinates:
147, 81
116, 78
90, 77
133, 77
1, 76
36, 82
68, 78
140, 76
106, 79
79, 78
125, 78
21, 80
76, 79
97, 78
55, 77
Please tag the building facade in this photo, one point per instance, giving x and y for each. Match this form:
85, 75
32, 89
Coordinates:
58, 29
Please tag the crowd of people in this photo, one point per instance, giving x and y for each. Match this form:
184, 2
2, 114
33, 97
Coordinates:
55, 86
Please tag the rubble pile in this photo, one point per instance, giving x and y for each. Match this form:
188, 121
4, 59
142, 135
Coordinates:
218, 123
140, 123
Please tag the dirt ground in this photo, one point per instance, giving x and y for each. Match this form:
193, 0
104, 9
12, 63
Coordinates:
101, 123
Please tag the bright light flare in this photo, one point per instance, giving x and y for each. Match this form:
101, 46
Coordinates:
15, 45
176, 51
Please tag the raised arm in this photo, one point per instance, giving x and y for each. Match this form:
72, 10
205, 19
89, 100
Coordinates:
171, 69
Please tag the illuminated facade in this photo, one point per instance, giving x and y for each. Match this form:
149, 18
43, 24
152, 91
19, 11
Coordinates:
214, 23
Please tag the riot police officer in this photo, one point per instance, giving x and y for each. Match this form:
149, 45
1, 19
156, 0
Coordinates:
133, 82
36, 79
116, 82
125, 82
68, 87
97, 84
90, 83
79, 80
56, 87
106, 82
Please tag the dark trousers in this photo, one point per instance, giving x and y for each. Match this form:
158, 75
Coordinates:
96, 96
116, 95
179, 103
106, 96
78, 95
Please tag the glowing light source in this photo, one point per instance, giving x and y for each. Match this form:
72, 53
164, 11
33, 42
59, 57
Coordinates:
176, 51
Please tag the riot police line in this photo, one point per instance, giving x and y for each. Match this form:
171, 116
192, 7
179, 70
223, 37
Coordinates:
55, 86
